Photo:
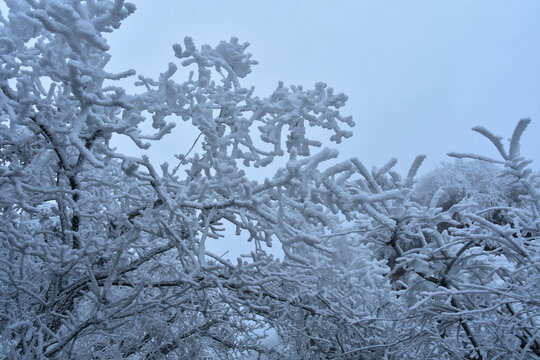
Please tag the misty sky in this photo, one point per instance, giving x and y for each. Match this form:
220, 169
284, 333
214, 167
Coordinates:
419, 74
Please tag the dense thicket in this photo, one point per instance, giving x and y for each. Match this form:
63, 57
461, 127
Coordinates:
104, 256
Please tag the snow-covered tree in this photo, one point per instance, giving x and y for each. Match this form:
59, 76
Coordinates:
465, 281
104, 256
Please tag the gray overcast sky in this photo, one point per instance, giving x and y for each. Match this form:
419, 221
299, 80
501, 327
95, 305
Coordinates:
419, 74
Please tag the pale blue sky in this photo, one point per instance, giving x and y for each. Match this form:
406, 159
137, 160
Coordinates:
419, 74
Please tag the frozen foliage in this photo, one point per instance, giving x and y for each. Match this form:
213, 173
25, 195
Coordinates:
104, 256
480, 182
